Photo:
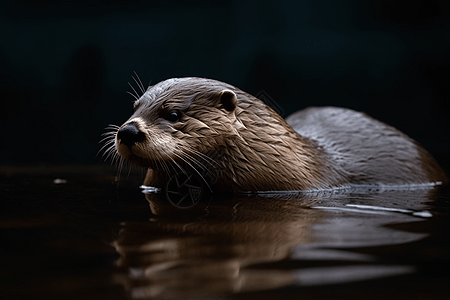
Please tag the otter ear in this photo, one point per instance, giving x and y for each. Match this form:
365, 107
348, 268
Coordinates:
228, 100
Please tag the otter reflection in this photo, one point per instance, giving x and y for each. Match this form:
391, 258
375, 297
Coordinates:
208, 254
238, 245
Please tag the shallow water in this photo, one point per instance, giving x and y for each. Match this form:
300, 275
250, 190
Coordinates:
88, 238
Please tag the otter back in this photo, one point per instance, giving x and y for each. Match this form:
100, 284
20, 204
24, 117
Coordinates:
367, 151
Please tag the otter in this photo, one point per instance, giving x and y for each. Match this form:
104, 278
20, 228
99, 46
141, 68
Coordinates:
212, 127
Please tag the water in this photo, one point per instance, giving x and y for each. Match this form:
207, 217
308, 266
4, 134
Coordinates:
84, 237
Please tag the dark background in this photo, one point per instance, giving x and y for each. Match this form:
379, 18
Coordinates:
65, 65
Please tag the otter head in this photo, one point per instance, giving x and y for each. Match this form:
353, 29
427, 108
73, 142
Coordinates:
179, 122
211, 127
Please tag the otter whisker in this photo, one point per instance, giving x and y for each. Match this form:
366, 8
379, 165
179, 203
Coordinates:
116, 158
108, 144
194, 160
197, 162
166, 165
136, 93
129, 166
119, 168
112, 126
193, 168
177, 165
111, 153
158, 163
108, 134
106, 149
202, 156
205, 157
110, 131
109, 138
134, 96
139, 84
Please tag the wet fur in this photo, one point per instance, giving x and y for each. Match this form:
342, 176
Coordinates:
227, 132
366, 150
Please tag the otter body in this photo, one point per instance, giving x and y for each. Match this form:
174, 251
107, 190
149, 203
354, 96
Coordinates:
366, 150
216, 130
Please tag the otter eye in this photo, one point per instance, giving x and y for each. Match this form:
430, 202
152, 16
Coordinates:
173, 116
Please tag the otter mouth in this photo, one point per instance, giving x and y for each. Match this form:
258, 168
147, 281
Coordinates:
169, 167
140, 161
160, 165
143, 162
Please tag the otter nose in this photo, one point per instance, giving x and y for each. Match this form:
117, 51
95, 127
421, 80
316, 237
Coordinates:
130, 134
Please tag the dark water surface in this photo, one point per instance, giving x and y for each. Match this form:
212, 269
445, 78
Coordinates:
87, 238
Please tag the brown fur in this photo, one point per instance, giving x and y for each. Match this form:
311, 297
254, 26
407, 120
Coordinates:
236, 137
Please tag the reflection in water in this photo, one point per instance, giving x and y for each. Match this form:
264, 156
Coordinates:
254, 243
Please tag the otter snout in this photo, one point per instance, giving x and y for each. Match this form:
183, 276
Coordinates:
130, 134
